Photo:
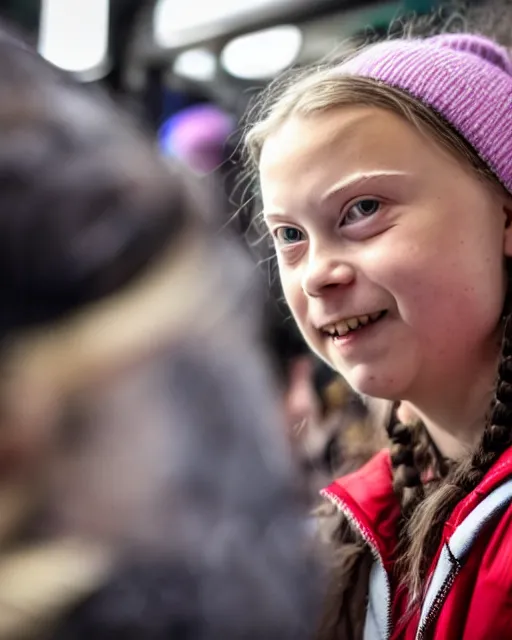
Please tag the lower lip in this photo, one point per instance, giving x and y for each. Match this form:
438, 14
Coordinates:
353, 338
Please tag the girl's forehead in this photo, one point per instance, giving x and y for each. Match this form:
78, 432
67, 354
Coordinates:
314, 151
351, 134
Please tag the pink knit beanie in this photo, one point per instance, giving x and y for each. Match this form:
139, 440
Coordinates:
466, 79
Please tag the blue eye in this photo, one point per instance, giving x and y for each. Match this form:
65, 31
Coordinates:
288, 235
360, 210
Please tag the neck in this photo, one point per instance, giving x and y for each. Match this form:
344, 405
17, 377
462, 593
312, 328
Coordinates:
454, 414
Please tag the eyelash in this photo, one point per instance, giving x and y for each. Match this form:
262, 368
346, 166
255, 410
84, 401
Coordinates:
282, 242
343, 222
367, 215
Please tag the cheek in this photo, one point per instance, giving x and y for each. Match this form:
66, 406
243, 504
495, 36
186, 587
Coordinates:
448, 294
292, 291
296, 300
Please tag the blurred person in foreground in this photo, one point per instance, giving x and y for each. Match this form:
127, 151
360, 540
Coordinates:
145, 489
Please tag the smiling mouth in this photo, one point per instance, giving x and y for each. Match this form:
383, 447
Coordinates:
344, 327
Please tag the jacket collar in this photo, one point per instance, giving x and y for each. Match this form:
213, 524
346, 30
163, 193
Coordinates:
497, 474
367, 498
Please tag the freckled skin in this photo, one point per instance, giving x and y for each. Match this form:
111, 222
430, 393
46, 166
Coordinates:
432, 256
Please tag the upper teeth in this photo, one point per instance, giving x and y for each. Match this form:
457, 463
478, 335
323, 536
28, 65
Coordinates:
344, 326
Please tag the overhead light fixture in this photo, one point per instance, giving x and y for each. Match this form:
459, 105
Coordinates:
177, 24
73, 35
196, 64
262, 54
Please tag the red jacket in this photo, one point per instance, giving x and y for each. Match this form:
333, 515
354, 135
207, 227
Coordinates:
469, 589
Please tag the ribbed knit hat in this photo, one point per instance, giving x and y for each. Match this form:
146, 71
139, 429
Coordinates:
467, 79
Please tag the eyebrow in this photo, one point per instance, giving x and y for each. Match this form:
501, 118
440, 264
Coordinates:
343, 185
274, 215
359, 180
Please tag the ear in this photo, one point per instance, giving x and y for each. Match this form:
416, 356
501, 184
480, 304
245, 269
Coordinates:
507, 239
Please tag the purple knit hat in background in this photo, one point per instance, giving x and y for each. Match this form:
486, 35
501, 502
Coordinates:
467, 79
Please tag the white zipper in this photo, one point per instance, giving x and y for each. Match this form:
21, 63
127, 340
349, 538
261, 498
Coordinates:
438, 603
370, 541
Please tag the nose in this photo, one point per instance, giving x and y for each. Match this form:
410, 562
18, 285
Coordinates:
325, 271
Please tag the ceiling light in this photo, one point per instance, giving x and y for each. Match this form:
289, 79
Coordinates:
196, 64
262, 54
178, 23
73, 34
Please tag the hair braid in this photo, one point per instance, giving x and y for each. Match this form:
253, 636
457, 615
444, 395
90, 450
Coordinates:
412, 455
406, 475
415, 461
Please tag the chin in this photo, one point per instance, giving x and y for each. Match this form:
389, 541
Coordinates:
374, 383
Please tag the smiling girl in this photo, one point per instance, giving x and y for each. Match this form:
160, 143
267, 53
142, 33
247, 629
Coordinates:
386, 185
